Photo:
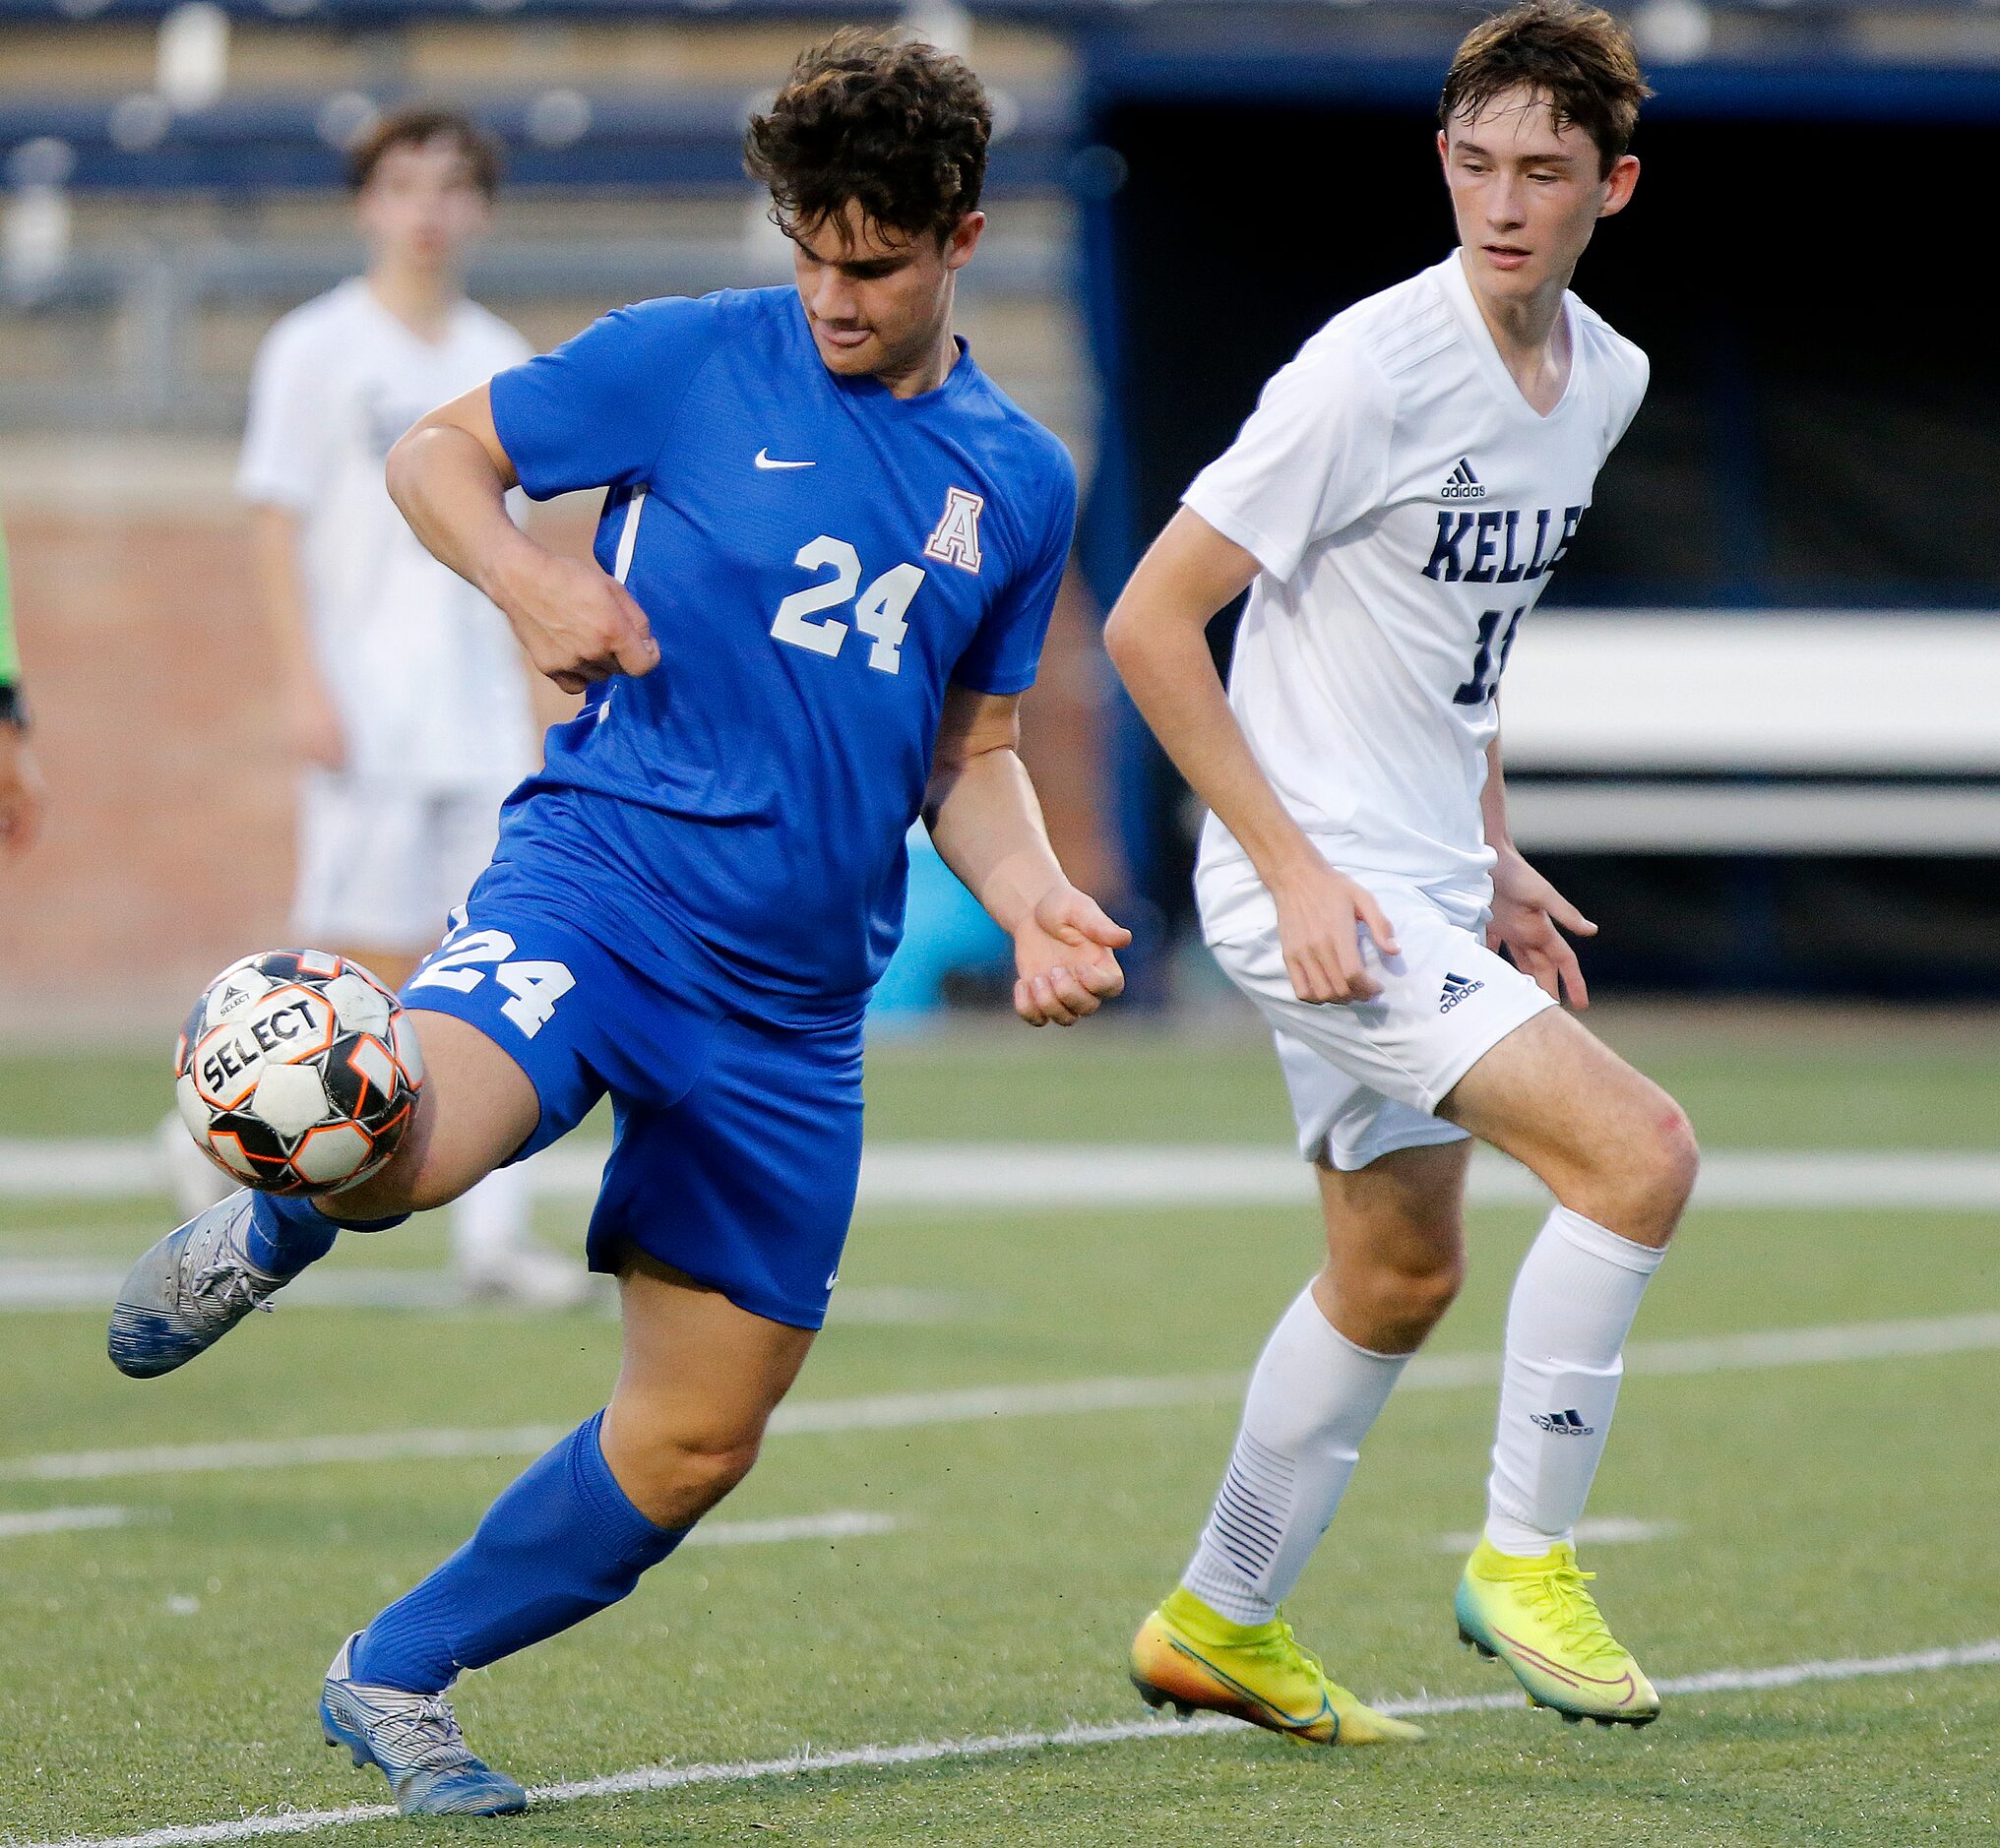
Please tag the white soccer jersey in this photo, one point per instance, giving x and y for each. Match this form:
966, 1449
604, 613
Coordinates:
1406, 505
429, 683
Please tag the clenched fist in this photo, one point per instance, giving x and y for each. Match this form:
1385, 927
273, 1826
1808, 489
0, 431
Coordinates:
577, 623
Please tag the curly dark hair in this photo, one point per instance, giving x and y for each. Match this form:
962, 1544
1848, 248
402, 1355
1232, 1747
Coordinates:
416, 126
896, 127
1578, 59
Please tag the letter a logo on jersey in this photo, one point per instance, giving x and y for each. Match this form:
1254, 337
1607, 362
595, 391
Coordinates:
955, 540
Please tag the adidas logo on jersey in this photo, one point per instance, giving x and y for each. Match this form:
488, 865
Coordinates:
1461, 484
1563, 1424
1457, 988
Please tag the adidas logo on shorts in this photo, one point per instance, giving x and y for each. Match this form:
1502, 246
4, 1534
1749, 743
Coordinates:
1563, 1424
1461, 484
1457, 988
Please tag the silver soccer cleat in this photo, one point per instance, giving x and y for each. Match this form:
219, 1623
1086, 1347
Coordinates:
413, 1741
188, 1291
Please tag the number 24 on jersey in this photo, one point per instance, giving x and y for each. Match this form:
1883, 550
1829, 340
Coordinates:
877, 610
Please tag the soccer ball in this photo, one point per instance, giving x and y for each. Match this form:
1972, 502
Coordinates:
298, 1072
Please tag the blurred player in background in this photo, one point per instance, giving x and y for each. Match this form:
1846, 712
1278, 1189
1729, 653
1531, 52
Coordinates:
19, 780
1394, 504
406, 696
823, 580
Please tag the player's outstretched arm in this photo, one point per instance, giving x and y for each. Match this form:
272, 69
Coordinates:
1157, 636
984, 814
450, 475
1527, 909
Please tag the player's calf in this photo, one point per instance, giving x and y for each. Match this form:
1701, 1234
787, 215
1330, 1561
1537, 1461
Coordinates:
477, 1108
698, 1380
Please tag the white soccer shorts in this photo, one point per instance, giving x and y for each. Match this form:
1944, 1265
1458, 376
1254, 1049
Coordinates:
379, 868
1366, 1076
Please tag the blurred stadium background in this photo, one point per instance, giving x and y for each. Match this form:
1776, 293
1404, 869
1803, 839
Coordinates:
1752, 732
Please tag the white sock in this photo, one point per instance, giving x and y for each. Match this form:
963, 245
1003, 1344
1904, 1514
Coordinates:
1572, 1308
492, 1219
1311, 1400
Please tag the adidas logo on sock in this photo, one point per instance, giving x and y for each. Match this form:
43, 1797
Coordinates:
1563, 1424
1461, 484
1457, 988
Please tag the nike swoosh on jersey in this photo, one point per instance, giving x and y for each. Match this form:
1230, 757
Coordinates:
765, 460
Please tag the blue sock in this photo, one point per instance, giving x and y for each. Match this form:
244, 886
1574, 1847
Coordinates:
563, 1542
287, 1232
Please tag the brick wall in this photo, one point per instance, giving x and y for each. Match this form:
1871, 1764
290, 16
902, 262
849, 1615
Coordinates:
167, 846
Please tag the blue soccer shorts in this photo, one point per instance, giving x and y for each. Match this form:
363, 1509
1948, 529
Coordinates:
738, 1136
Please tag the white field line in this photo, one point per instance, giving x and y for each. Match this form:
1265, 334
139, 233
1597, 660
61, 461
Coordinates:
1023, 1177
1599, 1531
62, 1521
1700, 1354
805, 1416
995, 1745
840, 1524
56, 1283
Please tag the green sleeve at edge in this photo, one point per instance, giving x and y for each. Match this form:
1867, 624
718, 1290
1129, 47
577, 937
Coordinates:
10, 656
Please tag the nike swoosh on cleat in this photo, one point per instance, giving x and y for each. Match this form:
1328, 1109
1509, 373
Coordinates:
765, 460
1536, 1657
1288, 1720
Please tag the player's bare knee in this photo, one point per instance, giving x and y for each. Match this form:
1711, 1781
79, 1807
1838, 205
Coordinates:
1641, 1182
1674, 1161
680, 1478
1658, 1160
719, 1469
1392, 1308
1413, 1302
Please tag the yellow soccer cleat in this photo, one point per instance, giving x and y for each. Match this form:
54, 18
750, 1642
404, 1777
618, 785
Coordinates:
1537, 1617
1187, 1656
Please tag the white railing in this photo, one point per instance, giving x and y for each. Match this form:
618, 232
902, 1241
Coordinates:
1790, 732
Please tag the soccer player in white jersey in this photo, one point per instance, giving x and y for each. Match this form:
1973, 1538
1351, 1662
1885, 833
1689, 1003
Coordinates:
21, 797
1394, 504
406, 696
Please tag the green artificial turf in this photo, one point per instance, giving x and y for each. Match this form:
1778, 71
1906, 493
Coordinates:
1776, 1076
164, 1671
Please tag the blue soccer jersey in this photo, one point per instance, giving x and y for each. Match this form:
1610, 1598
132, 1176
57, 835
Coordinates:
819, 559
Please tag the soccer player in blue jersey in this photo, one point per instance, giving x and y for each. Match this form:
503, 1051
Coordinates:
824, 573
